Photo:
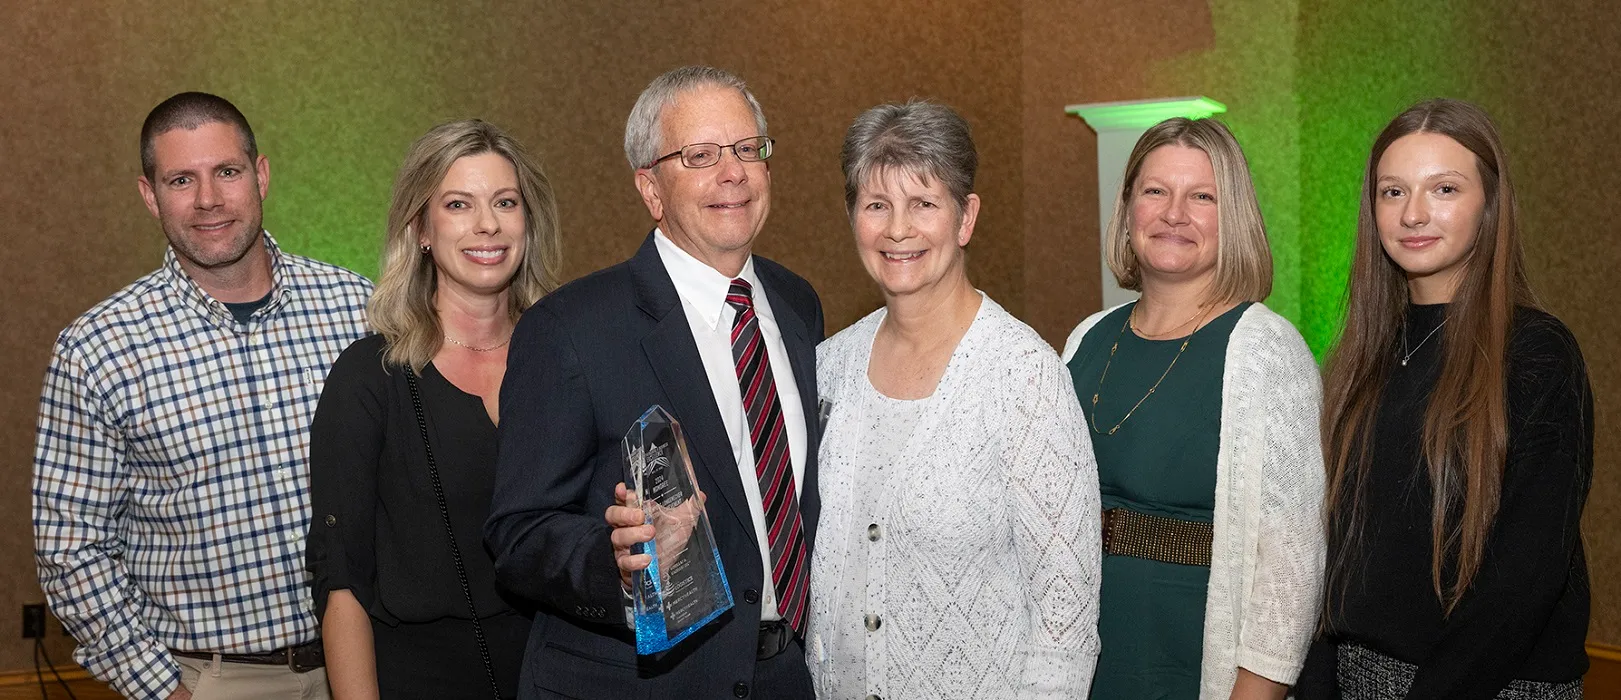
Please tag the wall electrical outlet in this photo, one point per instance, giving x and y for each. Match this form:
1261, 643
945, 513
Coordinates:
34, 621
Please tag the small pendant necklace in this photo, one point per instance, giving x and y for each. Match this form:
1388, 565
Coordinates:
1406, 354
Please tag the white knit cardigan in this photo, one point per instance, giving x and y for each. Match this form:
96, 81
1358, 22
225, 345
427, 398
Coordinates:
986, 575
1266, 560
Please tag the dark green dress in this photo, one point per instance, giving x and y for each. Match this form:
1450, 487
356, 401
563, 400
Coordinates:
1162, 462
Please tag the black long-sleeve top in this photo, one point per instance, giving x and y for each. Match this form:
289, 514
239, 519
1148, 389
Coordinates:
1525, 614
376, 529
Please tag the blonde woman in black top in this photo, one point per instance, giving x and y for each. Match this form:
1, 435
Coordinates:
402, 450
1458, 432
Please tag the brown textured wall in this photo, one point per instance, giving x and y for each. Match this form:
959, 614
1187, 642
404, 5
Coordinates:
337, 93
1553, 72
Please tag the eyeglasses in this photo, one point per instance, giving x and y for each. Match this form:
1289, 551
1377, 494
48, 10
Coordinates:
703, 155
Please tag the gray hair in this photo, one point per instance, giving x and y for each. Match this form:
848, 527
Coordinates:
642, 135
926, 139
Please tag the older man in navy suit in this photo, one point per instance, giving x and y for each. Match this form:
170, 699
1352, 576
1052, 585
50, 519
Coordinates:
723, 340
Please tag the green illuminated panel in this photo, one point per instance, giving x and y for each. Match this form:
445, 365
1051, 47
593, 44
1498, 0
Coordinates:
1308, 84
1360, 65
1250, 66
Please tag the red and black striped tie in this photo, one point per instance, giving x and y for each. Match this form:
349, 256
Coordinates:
769, 435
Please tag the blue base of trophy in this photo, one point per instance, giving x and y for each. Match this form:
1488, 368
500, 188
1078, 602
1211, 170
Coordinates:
653, 634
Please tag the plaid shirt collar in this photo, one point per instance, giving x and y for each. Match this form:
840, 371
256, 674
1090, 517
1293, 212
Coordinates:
193, 296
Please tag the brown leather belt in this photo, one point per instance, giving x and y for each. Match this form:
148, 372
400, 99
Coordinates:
299, 659
1170, 540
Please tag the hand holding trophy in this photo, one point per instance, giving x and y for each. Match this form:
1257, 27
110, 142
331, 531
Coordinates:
683, 585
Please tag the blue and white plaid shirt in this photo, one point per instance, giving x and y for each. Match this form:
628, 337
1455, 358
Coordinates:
171, 474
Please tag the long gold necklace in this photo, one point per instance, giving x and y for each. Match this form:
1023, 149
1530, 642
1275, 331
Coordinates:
1105, 375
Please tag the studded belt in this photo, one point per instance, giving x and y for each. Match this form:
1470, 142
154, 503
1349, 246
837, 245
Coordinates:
1170, 540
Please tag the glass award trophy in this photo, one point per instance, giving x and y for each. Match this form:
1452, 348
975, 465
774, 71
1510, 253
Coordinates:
684, 588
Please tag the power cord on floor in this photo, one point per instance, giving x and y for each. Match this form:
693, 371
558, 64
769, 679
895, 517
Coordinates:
44, 691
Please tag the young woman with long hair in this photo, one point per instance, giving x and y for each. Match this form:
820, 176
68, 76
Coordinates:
1458, 436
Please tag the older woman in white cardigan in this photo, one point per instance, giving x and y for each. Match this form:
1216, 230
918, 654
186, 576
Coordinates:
1202, 405
957, 553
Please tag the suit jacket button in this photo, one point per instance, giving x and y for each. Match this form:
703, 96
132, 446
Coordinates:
741, 689
751, 596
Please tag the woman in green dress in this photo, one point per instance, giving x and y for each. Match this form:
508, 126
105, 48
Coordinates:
1203, 408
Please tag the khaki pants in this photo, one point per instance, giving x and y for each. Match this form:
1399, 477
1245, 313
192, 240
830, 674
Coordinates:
214, 680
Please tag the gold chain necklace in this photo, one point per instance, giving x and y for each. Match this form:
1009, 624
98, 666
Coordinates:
1167, 331
497, 346
1105, 375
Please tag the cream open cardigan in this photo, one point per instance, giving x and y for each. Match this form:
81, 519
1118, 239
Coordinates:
1266, 560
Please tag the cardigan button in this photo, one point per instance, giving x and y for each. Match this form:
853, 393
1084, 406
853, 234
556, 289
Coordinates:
751, 596
331, 521
874, 622
873, 532
741, 689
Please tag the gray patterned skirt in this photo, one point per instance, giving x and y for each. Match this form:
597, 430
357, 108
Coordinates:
1365, 674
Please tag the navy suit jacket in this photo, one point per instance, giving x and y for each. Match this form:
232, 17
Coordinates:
584, 364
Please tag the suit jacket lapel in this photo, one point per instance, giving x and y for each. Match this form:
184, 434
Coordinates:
673, 354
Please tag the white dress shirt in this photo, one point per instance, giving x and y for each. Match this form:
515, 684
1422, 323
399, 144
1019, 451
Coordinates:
703, 297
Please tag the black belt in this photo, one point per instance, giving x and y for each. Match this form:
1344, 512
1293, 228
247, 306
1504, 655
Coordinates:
299, 659
775, 636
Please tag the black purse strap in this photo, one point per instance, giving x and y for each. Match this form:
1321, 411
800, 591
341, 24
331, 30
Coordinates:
444, 514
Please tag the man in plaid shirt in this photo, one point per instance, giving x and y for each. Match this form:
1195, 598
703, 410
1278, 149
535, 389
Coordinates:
170, 476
